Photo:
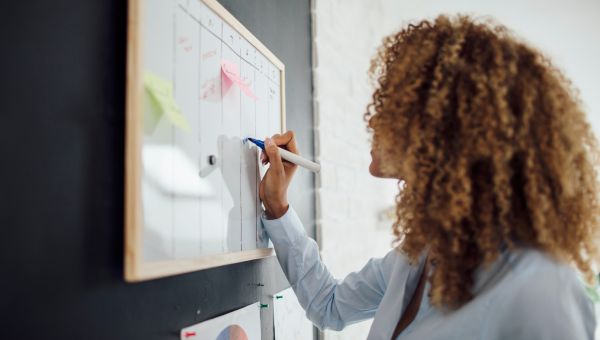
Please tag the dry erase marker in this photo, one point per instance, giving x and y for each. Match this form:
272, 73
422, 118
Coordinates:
290, 157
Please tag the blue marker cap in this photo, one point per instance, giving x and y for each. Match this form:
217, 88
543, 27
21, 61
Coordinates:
258, 142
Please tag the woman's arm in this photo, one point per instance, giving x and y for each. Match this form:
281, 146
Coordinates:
328, 303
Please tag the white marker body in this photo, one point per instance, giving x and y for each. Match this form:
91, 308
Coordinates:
303, 162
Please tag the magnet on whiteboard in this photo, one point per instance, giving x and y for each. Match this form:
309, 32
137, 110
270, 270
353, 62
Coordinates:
212, 159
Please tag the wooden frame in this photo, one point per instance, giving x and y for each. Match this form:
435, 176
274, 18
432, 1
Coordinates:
135, 267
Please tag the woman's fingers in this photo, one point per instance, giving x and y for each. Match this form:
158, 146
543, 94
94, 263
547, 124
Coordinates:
274, 157
263, 157
286, 140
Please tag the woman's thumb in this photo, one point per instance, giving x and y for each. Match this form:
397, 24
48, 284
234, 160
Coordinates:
274, 157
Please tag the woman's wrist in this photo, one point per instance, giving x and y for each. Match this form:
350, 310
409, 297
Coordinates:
275, 211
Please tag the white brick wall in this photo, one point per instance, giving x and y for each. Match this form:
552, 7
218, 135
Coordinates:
348, 197
346, 33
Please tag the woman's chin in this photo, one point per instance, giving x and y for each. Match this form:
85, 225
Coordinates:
374, 170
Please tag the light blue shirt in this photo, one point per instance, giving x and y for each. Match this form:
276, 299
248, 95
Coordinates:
525, 294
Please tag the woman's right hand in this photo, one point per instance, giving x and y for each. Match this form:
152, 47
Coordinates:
273, 187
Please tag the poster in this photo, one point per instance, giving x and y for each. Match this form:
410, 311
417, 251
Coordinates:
242, 324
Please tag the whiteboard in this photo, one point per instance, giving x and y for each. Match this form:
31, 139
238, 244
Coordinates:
198, 84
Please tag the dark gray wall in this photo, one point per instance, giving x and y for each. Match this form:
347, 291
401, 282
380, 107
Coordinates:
61, 176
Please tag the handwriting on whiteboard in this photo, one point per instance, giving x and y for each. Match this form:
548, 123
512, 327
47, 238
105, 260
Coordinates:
210, 90
185, 43
209, 54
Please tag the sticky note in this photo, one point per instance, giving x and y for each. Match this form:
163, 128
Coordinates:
161, 93
232, 76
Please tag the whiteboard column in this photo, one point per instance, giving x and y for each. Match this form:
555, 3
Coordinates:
157, 208
249, 162
274, 99
210, 131
231, 142
186, 208
262, 131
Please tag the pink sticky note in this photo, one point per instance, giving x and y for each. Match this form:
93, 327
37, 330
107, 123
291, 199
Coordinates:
232, 76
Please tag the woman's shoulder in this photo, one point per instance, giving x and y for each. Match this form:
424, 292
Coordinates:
541, 289
538, 275
533, 267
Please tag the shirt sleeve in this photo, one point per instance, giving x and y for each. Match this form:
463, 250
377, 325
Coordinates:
329, 303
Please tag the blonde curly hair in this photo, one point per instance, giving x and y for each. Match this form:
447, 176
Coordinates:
492, 148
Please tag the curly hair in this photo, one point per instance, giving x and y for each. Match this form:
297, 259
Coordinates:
492, 149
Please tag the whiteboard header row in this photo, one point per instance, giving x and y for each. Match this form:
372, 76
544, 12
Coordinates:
211, 21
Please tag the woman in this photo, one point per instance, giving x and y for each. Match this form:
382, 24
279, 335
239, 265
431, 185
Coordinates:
498, 205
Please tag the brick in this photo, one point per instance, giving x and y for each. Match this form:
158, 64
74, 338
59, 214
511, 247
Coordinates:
349, 199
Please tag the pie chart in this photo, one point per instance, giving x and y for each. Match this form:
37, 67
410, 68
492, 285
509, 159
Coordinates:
232, 332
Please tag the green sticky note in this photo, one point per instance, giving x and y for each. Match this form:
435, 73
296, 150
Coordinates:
152, 113
161, 93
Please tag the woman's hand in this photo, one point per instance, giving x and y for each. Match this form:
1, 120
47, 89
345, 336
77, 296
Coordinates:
273, 187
